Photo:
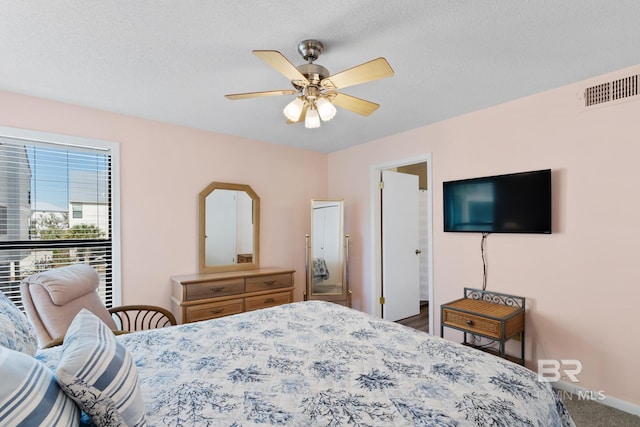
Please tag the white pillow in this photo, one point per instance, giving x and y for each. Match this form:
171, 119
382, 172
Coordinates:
98, 373
16, 332
29, 394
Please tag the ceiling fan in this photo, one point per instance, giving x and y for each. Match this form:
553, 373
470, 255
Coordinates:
315, 90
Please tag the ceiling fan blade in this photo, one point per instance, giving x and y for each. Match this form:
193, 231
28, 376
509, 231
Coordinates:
282, 65
357, 105
260, 94
369, 71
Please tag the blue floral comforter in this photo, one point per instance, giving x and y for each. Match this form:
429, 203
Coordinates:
319, 364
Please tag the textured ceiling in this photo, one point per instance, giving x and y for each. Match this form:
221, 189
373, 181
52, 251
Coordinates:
174, 61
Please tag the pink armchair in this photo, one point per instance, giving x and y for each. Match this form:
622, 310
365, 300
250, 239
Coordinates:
53, 298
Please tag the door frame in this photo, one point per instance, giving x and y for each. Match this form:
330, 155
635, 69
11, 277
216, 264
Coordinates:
376, 230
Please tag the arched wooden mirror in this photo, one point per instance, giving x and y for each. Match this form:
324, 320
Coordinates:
327, 253
229, 228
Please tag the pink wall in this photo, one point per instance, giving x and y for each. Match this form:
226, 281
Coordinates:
164, 167
583, 281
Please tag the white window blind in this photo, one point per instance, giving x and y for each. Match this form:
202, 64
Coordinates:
41, 185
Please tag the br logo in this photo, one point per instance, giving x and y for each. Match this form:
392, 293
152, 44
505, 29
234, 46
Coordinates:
552, 370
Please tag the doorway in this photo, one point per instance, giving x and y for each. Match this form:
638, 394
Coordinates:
421, 166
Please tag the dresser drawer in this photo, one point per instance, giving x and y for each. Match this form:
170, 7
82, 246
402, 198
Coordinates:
265, 283
215, 309
471, 323
213, 289
269, 300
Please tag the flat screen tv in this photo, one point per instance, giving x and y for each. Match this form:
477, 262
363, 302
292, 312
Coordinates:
513, 203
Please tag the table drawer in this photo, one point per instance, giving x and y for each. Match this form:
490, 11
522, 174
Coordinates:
269, 300
264, 283
213, 289
471, 323
213, 310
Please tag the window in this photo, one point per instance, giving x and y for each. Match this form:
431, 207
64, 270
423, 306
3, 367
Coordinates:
60, 197
3, 220
77, 210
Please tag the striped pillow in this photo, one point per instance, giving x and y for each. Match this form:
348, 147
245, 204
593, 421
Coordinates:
98, 373
29, 394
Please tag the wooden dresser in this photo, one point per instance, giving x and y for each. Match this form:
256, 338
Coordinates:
207, 296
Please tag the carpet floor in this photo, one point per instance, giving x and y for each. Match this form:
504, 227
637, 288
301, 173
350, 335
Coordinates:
591, 413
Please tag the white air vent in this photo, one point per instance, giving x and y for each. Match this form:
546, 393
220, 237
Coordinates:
611, 91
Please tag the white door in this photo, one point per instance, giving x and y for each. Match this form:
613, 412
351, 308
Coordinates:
400, 241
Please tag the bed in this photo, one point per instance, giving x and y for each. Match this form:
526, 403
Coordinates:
317, 363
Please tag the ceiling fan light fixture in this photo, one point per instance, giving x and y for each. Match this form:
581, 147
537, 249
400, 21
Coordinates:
293, 109
326, 110
312, 120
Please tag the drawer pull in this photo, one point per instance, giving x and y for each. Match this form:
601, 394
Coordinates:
217, 310
218, 289
270, 282
469, 322
269, 300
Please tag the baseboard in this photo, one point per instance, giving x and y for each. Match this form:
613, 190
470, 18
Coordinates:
600, 397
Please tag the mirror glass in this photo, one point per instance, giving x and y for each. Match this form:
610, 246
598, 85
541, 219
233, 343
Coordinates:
229, 227
327, 247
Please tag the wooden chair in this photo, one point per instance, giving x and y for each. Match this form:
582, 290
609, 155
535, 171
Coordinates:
132, 318
53, 298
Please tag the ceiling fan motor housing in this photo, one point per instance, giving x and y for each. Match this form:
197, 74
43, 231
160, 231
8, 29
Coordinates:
313, 72
310, 50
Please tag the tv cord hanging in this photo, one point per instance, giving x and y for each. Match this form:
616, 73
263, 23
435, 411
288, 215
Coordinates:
484, 260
